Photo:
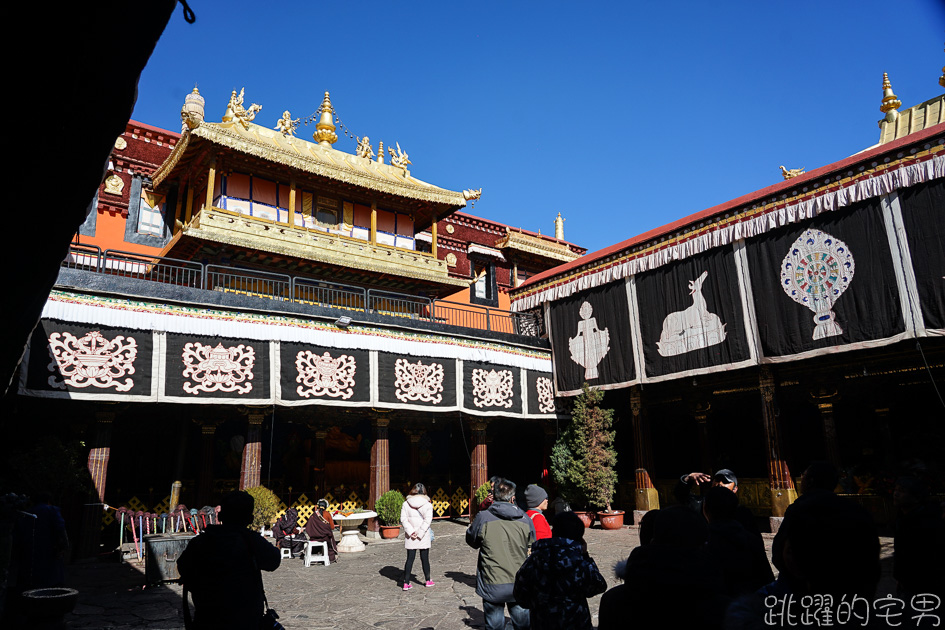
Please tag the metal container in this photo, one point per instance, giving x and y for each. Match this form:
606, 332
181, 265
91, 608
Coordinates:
163, 550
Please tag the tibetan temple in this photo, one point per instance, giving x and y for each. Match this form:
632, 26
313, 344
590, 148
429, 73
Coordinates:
245, 307
800, 322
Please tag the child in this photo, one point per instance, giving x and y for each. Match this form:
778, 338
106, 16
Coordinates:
558, 577
416, 516
537, 501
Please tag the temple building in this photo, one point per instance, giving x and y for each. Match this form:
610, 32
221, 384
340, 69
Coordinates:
803, 321
246, 307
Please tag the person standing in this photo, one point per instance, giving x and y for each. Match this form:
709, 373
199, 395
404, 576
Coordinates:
558, 577
537, 501
502, 534
416, 516
221, 568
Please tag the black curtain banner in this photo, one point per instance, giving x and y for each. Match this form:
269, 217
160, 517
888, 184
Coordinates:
216, 367
411, 380
488, 387
923, 215
691, 314
90, 359
315, 373
825, 283
591, 338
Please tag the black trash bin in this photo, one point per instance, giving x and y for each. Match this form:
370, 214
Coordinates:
163, 550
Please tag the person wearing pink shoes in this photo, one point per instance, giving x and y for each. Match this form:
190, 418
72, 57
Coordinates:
416, 516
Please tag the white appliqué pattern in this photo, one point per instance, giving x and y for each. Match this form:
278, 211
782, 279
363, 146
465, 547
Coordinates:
546, 394
816, 271
492, 388
325, 375
92, 360
218, 369
416, 381
591, 344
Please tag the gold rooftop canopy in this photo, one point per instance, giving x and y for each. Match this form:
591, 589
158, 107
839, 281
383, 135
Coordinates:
237, 132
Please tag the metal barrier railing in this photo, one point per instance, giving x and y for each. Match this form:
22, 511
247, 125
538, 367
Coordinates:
184, 273
265, 284
277, 286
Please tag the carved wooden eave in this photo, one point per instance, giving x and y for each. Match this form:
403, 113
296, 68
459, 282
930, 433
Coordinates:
536, 246
252, 233
300, 155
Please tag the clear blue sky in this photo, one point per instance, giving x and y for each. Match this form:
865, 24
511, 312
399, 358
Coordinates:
623, 116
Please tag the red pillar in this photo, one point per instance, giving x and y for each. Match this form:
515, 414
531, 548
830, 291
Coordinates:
98, 468
825, 398
646, 497
779, 477
251, 469
414, 437
478, 467
380, 468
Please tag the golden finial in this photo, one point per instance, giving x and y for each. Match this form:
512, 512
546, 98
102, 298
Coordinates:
325, 129
890, 101
559, 228
941, 79
790, 173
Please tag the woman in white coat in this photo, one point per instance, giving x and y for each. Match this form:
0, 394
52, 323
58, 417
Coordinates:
416, 516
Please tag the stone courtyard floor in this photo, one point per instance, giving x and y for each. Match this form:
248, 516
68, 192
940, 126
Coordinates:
361, 590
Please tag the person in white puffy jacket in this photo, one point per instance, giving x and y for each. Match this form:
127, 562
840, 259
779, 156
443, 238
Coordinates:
416, 516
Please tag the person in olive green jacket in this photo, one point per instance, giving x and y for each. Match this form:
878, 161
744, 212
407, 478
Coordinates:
503, 535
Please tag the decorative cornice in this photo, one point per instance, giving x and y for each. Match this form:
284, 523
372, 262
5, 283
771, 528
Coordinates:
223, 226
536, 245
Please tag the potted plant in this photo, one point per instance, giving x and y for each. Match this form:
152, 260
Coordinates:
388, 507
583, 460
265, 509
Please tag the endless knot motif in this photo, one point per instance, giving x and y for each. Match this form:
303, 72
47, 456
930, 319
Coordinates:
816, 271
325, 375
92, 360
416, 381
492, 388
546, 395
218, 369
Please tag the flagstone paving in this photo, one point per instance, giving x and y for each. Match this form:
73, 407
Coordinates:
361, 590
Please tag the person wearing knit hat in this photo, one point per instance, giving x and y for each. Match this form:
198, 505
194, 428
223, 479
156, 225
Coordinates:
537, 501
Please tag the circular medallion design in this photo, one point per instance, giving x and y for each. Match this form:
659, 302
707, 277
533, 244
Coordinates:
451, 259
120, 143
450, 228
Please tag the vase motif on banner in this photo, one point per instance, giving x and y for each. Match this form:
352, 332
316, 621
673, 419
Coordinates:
591, 344
816, 271
692, 329
218, 369
546, 394
325, 375
492, 388
92, 360
416, 381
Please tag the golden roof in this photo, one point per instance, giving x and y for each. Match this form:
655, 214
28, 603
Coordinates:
316, 159
537, 246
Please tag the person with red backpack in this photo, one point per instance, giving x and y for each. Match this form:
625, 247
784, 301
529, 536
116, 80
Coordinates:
537, 501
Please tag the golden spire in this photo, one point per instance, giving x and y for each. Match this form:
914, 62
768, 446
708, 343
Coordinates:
559, 228
941, 79
325, 129
890, 101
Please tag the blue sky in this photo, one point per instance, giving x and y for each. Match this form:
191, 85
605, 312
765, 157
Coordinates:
621, 116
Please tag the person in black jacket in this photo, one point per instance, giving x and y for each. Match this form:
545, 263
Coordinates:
738, 554
221, 569
685, 493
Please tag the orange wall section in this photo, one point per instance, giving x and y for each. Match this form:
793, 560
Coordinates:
110, 234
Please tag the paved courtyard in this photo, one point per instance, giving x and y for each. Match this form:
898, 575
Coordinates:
361, 590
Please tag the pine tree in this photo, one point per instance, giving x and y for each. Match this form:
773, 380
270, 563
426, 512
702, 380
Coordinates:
583, 458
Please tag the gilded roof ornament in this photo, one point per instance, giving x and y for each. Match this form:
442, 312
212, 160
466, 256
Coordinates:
890, 101
235, 112
559, 228
471, 194
191, 114
399, 158
286, 125
364, 148
791, 173
325, 128
941, 79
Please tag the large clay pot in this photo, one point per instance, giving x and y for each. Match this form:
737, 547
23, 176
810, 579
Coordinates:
390, 531
45, 608
586, 517
611, 520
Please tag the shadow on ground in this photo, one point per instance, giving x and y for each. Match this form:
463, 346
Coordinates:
463, 578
